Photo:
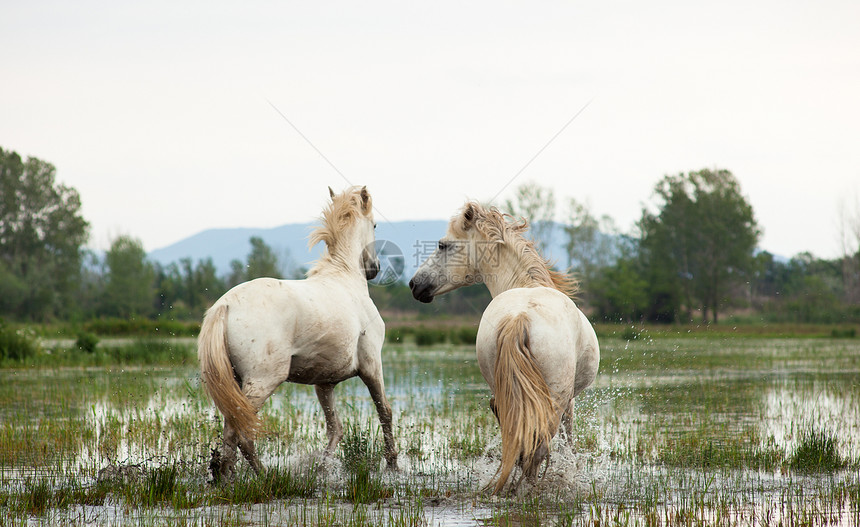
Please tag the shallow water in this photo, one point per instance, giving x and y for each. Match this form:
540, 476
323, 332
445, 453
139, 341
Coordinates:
672, 432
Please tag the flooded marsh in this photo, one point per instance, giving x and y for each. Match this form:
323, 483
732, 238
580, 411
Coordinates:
675, 431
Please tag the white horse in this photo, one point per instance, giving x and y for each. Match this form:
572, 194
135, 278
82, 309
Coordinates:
321, 331
535, 348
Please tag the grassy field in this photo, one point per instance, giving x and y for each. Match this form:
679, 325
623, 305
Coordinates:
680, 429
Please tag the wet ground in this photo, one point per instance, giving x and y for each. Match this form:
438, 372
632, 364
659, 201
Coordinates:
674, 431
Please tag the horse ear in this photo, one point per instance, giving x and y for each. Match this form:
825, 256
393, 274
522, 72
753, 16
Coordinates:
468, 217
331, 192
365, 200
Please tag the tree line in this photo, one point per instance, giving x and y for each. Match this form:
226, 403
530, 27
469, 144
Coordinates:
691, 256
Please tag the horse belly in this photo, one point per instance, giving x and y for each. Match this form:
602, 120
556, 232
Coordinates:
328, 366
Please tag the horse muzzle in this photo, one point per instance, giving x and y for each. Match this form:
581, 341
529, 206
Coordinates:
422, 290
371, 269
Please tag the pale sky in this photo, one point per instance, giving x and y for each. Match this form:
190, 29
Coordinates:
161, 113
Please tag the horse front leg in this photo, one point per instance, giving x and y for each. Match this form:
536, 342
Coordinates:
376, 387
333, 426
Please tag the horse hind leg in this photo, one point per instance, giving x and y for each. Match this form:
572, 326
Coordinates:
257, 395
567, 423
333, 426
531, 468
249, 450
223, 462
493, 408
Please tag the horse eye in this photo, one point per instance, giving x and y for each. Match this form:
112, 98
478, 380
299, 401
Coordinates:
374, 226
443, 246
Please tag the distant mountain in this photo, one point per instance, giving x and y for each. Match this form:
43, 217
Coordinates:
415, 240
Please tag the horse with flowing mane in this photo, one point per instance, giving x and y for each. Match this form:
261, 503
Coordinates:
535, 348
320, 331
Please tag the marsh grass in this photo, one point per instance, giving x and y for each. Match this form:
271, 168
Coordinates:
703, 448
274, 484
675, 432
361, 455
817, 452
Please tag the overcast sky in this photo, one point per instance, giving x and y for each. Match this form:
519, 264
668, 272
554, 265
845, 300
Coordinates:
166, 116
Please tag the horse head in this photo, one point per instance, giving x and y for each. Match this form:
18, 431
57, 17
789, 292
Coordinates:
365, 230
456, 260
348, 231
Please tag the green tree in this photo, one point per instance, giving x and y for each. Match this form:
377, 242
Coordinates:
237, 275
90, 288
130, 279
185, 291
168, 291
849, 240
537, 205
262, 261
620, 292
592, 243
701, 241
41, 237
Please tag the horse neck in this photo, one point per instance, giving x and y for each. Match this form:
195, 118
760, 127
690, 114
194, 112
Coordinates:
343, 259
508, 269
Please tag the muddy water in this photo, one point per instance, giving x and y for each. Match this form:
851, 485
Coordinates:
674, 431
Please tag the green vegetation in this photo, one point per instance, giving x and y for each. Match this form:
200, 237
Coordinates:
361, 455
429, 336
749, 420
702, 429
16, 344
41, 235
87, 342
817, 452
691, 259
27, 351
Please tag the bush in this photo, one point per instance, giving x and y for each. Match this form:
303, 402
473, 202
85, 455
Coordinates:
429, 336
142, 327
151, 351
843, 333
464, 335
16, 344
86, 342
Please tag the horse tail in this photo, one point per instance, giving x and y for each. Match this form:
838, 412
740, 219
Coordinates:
525, 408
219, 379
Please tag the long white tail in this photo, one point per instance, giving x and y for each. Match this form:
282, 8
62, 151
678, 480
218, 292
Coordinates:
526, 410
218, 376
